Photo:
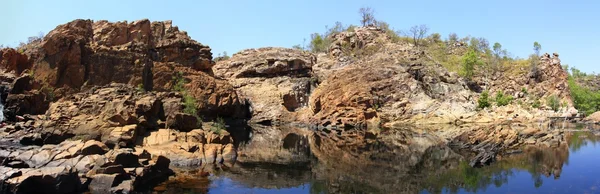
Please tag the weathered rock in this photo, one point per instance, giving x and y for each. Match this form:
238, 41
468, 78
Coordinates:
594, 117
124, 157
93, 147
185, 122
83, 53
45, 180
103, 183
275, 81
13, 60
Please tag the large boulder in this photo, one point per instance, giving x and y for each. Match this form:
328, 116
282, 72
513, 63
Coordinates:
275, 81
43, 180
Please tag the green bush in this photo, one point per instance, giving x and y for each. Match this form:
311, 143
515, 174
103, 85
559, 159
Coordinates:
469, 61
218, 126
584, 99
484, 100
553, 102
502, 99
524, 90
536, 103
189, 102
49, 91
140, 88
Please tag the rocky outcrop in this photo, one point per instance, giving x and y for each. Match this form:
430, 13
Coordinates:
527, 85
388, 86
121, 117
81, 54
73, 166
12, 60
276, 82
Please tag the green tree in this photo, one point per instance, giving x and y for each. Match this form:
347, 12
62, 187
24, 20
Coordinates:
298, 47
452, 38
553, 102
483, 100
469, 61
318, 43
497, 50
537, 48
435, 37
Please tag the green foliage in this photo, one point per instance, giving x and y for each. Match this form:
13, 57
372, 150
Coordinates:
576, 73
584, 99
435, 38
524, 90
298, 47
388, 31
503, 99
536, 103
222, 56
218, 126
537, 47
140, 87
484, 100
189, 102
469, 61
179, 82
553, 102
318, 43
49, 91
452, 38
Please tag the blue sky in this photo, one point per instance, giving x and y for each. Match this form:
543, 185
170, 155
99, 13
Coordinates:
567, 27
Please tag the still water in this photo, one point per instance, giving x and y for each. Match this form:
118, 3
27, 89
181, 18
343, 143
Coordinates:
572, 168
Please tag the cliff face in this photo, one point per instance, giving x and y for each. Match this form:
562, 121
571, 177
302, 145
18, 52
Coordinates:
276, 82
82, 53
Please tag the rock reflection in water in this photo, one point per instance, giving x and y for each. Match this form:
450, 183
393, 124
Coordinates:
422, 163
277, 145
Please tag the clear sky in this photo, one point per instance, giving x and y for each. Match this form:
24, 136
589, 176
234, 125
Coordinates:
570, 28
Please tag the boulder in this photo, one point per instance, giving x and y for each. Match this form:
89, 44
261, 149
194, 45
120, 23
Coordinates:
124, 157
45, 180
93, 147
103, 183
185, 122
594, 117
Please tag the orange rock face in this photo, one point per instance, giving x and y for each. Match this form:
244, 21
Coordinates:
83, 53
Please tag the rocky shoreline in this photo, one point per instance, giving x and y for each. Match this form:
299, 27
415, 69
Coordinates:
115, 107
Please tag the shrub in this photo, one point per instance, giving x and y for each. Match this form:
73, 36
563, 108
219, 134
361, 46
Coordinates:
179, 82
469, 60
483, 101
218, 126
553, 102
318, 43
502, 99
524, 90
49, 91
140, 88
189, 102
584, 99
536, 103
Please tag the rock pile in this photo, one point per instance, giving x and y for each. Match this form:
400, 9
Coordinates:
75, 166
